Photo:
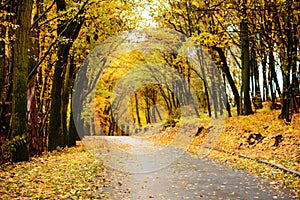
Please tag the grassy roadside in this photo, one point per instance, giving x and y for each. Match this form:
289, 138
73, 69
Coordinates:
262, 136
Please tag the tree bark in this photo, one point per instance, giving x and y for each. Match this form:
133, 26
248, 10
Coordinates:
20, 70
35, 142
4, 84
287, 92
245, 58
59, 103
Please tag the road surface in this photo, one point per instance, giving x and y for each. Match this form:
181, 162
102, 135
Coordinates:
145, 170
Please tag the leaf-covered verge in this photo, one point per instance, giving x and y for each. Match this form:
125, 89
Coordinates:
255, 136
65, 173
236, 137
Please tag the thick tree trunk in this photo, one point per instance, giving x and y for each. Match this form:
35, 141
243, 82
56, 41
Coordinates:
286, 94
56, 134
59, 104
78, 98
34, 139
3, 86
2, 62
20, 70
245, 62
295, 79
72, 132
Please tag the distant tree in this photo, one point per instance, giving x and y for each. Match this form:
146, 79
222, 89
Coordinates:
205, 22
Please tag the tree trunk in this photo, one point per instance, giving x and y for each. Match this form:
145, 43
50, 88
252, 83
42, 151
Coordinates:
59, 103
4, 84
72, 133
229, 78
245, 61
2, 62
273, 73
203, 78
137, 109
56, 135
35, 143
20, 70
147, 102
256, 78
266, 96
286, 94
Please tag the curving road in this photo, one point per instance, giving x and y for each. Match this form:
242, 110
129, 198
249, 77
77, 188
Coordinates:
145, 170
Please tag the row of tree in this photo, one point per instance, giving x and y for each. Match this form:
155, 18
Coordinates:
42, 45
260, 38
254, 44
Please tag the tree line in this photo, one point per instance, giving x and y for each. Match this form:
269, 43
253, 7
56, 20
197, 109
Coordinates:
255, 45
260, 37
42, 45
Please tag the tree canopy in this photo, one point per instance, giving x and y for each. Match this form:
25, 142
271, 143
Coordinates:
44, 45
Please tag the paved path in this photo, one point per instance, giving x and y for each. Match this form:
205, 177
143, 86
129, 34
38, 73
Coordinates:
185, 177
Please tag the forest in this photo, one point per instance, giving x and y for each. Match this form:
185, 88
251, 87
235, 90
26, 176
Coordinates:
47, 47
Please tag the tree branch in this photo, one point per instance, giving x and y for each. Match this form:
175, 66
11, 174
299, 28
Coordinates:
47, 10
33, 71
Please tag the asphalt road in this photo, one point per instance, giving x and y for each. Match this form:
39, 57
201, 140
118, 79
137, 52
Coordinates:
144, 170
